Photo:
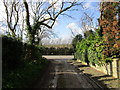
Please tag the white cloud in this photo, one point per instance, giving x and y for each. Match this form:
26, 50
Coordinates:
75, 28
93, 0
88, 5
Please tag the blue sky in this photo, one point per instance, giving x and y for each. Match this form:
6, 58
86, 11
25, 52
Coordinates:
61, 29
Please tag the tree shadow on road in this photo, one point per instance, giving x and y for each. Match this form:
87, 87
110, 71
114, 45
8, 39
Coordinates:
82, 69
102, 79
82, 65
97, 80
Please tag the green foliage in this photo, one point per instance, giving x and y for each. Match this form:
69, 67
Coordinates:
77, 38
91, 48
11, 53
21, 62
24, 77
88, 33
95, 52
15, 53
57, 51
32, 52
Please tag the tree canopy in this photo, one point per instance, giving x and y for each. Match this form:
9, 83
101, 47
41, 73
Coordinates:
77, 38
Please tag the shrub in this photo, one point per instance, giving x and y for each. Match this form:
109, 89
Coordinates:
91, 49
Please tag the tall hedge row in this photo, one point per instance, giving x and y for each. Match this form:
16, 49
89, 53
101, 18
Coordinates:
90, 50
15, 53
22, 63
58, 51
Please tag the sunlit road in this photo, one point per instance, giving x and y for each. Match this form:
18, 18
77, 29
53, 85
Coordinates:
61, 74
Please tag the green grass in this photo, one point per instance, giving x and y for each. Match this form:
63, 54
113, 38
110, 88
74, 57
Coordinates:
24, 77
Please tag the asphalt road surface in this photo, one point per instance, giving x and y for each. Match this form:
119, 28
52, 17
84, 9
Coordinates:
62, 74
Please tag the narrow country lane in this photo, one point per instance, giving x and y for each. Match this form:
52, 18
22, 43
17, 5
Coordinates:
61, 74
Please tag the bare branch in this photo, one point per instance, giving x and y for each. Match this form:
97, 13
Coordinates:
67, 15
45, 16
11, 17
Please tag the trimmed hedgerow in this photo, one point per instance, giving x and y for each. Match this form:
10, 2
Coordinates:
21, 63
91, 49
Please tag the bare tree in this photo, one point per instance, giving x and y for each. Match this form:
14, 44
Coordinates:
39, 16
86, 22
12, 13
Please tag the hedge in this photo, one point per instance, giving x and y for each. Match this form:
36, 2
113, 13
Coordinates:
21, 62
58, 51
90, 50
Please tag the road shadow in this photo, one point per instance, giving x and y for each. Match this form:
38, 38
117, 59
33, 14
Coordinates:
91, 77
99, 82
109, 79
82, 66
47, 75
94, 78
